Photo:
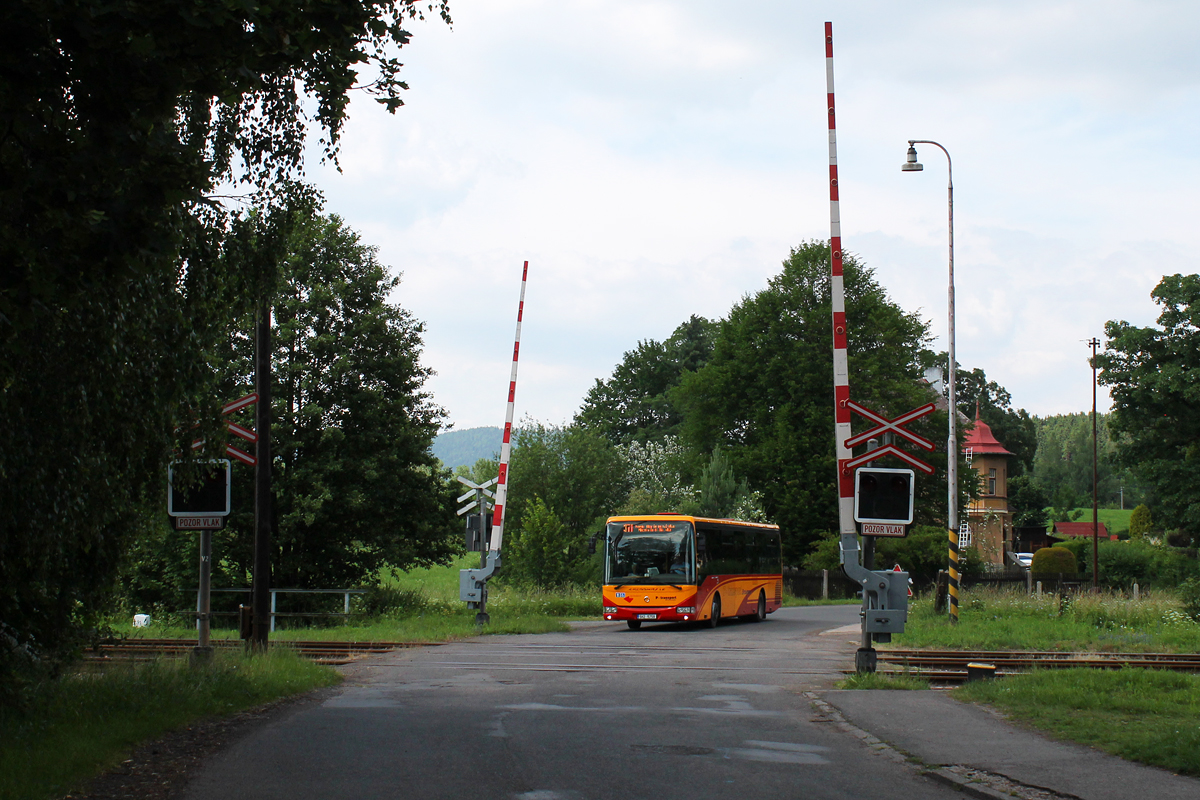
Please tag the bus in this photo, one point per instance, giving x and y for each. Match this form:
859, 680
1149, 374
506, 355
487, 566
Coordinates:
678, 568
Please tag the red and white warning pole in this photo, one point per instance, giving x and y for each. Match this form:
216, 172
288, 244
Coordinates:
506, 446
841, 370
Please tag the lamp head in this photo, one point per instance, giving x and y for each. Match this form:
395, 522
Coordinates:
911, 165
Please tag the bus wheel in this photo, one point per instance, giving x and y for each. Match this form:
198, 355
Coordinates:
634, 624
760, 613
715, 619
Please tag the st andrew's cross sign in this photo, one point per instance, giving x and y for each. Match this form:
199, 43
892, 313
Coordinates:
883, 498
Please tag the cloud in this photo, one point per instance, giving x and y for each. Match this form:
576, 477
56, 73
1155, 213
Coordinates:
657, 159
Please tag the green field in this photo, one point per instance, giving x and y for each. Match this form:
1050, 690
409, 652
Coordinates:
1115, 519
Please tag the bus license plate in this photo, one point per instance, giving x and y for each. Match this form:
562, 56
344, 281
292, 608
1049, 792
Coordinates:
647, 616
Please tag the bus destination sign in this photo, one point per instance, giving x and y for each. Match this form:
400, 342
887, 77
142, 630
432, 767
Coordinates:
882, 529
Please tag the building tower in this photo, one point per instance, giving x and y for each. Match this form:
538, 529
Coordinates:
989, 523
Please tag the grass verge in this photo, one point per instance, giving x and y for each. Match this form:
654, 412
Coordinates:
873, 680
1150, 716
790, 600
81, 724
1003, 619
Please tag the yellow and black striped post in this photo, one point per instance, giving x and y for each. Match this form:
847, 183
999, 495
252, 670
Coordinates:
952, 588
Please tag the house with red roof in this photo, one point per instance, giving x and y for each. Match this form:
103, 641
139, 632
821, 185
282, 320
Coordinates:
1077, 529
988, 526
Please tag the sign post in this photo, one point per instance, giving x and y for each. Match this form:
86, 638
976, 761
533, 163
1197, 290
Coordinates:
477, 538
203, 508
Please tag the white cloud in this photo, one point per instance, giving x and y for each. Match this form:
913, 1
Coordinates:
654, 160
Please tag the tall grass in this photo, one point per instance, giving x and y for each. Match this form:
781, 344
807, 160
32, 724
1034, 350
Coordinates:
1004, 619
74, 727
1151, 716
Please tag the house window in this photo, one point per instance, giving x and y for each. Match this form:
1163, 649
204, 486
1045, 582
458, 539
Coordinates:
991, 481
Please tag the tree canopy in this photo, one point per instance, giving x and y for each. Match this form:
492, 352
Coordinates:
356, 486
765, 396
120, 266
635, 403
1152, 373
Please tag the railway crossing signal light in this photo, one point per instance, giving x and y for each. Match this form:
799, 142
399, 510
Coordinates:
477, 540
883, 495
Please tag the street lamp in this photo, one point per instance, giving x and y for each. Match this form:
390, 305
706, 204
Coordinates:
912, 165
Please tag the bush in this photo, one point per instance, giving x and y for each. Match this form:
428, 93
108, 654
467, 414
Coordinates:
1140, 522
1189, 595
970, 563
1081, 548
1125, 563
1179, 538
544, 553
921, 554
1053, 560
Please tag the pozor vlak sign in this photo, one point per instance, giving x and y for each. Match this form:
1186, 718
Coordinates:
202, 506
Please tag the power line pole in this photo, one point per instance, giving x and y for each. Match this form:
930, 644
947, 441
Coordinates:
1094, 343
261, 587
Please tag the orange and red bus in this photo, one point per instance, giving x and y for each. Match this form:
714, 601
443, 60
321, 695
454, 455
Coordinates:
678, 568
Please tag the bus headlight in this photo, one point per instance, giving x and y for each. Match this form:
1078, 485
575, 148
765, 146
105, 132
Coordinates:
686, 610
610, 609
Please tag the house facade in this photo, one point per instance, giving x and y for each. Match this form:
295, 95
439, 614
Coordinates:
988, 526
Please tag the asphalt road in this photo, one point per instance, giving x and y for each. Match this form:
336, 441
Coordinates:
601, 712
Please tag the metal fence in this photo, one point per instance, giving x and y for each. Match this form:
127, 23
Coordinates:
815, 584
345, 614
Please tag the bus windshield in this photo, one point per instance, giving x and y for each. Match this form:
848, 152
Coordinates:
650, 552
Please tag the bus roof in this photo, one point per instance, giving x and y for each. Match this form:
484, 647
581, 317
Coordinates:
692, 519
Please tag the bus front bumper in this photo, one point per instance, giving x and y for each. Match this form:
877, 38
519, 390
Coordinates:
651, 613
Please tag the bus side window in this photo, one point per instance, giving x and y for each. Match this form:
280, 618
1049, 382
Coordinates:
772, 558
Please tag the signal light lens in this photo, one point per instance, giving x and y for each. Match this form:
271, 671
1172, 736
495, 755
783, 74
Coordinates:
610, 609
686, 609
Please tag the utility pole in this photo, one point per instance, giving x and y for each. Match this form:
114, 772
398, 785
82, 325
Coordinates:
261, 587
1094, 343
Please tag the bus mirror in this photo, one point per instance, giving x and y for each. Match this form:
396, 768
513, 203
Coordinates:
700, 543
592, 542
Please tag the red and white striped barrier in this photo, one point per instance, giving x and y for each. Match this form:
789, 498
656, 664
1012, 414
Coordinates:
841, 370
506, 446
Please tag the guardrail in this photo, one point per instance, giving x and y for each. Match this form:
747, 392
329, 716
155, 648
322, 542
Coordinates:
274, 592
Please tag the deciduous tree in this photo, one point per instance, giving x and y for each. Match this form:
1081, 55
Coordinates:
1152, 373
635, 403
765, 396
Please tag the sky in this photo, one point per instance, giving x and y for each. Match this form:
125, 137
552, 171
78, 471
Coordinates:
654, 160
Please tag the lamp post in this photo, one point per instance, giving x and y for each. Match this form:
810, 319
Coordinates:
912, 165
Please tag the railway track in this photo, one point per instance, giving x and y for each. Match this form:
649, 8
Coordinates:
134, 650
950, 666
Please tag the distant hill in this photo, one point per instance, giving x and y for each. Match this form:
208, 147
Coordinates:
455, 448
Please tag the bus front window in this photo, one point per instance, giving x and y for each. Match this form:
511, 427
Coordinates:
650, 552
